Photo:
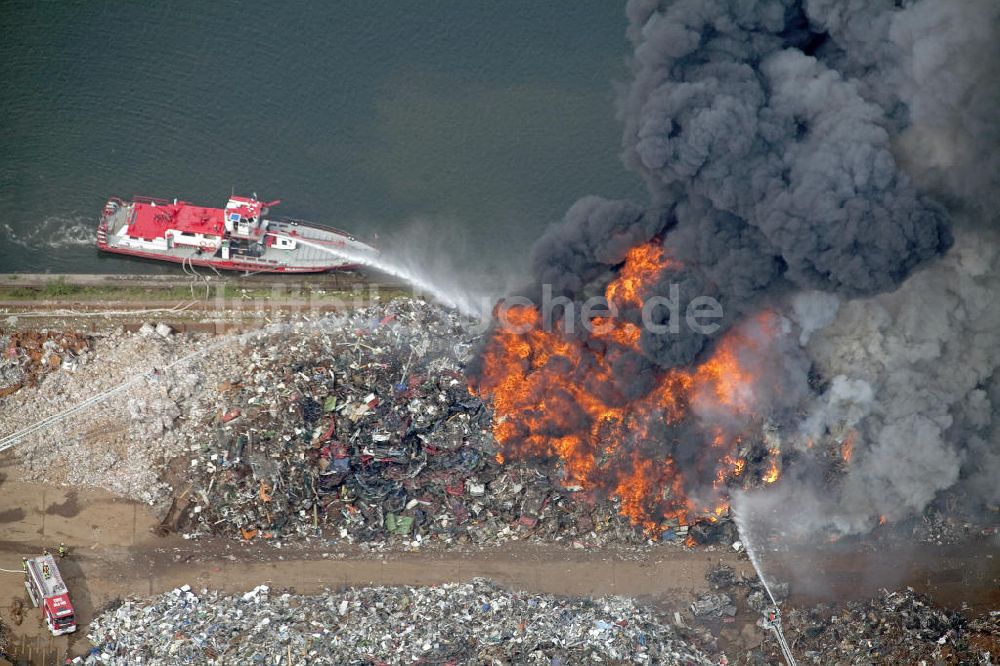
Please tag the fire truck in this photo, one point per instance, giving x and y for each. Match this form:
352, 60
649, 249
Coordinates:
48, 592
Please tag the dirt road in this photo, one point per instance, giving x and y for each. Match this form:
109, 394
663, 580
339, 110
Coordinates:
115, 554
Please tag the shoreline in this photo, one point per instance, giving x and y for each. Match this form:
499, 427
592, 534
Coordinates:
204, 303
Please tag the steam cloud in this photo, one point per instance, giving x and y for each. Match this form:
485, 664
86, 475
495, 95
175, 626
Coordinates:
813, 155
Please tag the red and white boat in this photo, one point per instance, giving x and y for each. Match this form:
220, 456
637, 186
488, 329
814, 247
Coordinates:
239, 237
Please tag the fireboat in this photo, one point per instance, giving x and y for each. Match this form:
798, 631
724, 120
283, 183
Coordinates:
239, 237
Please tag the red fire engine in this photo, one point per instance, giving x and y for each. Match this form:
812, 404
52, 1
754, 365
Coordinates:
48, 592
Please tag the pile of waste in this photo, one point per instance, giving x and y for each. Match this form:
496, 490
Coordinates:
950, 522
450, 624
898, 627
367, 432
122, 441
357, 428
5, 643
27, 355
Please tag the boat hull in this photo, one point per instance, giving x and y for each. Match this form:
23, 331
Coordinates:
242, 266
281, 245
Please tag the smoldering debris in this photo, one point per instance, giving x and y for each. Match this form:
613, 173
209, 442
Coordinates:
908, 391
478, 622
896, 627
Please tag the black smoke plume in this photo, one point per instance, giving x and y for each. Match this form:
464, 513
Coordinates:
763, 154
818, 156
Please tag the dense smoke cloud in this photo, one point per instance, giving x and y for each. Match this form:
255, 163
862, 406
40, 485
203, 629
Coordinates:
777, 168
595, 234
915, 372
810, 155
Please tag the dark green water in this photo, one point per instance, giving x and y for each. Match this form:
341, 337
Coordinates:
482, 121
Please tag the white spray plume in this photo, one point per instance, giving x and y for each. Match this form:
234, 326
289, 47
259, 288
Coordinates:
427, 272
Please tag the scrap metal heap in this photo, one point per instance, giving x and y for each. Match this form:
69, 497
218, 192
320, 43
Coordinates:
368, 433
479, 623
25, 356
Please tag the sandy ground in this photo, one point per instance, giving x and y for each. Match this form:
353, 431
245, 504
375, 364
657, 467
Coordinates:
115, 554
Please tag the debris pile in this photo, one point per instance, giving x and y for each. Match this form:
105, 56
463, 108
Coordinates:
899, 627
5, 644
477, 622
27, 355
122, 443
368, 433
359, 427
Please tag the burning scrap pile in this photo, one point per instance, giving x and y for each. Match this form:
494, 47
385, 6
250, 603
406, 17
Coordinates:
26, 355
367, 431
451, 624
898, 627
622, 426
811, 281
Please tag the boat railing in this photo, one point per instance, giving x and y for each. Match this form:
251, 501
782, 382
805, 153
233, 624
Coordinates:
307, 223
141, 199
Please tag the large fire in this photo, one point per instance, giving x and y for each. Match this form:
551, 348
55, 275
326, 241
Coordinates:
561, 395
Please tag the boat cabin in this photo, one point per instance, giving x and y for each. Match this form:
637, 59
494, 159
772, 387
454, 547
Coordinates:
162, 225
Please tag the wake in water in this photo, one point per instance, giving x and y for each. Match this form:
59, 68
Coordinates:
52, 232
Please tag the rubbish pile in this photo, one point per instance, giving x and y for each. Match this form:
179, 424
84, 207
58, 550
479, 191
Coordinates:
899, 627
368, 433
122, 443
478, 622
5, 643
950, 522
26, 355
356, 428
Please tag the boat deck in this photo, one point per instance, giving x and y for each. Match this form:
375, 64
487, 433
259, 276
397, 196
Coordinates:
317, 249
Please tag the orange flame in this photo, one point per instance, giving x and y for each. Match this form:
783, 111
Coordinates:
847, 446
643, 264
773, 473
555, 396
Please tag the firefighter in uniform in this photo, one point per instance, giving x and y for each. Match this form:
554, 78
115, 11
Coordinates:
24, 564
63, 551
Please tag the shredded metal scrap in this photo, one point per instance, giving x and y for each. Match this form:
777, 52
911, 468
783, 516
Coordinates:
477, 623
